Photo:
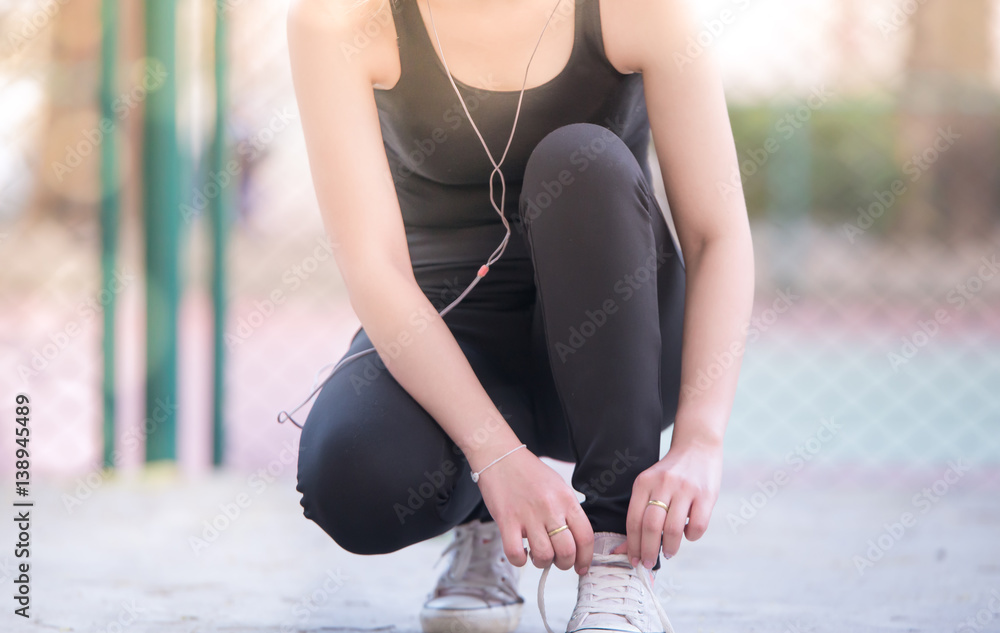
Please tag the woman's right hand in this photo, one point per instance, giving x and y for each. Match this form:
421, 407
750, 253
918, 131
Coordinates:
527, 498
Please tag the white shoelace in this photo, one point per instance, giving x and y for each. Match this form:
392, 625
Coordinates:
476, 568
607, 588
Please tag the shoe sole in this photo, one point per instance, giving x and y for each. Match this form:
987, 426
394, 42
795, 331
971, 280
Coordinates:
500, 619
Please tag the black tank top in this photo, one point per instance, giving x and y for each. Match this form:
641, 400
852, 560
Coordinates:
440, 169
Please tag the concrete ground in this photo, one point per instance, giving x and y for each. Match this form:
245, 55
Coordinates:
827, 549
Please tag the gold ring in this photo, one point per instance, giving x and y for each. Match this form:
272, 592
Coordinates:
654, 502
558, 530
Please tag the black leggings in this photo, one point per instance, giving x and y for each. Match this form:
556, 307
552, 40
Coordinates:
589, 373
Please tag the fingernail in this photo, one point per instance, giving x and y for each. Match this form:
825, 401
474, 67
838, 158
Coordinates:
635, 561
584, 570
648, 564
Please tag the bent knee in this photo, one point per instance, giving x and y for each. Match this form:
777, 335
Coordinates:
338, 499
334, 482
577, 167
367, 501
578, 149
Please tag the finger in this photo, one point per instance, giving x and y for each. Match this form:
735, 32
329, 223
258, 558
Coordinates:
540, 546
583, 537
564, 549
651, 533
673, 527
513, 544
633, 522
698, 519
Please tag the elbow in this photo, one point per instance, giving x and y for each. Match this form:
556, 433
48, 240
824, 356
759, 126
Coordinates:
369, 280
734, 241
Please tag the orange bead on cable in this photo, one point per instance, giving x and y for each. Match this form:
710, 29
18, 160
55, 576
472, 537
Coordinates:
483, 270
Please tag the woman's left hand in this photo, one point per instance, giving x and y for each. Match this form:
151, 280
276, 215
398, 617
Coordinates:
687, 479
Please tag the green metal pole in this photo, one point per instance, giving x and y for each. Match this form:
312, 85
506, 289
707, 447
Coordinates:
162, 170
110, 212
220, 214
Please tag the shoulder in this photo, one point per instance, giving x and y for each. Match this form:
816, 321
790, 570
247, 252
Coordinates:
351, 32
640, 33
330, 16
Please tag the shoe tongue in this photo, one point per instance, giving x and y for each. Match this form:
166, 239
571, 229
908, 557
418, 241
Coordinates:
606, 542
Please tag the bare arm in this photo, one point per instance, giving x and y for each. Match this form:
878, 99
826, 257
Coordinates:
697, 155
694, 143
362, 216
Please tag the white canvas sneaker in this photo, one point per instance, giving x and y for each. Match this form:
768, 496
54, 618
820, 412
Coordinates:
612, 595
478, 591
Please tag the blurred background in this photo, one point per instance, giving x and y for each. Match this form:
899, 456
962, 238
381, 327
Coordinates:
165, 288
